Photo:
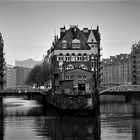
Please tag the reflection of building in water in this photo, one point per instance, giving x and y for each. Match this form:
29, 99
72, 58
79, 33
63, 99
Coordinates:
69, 128
121, 119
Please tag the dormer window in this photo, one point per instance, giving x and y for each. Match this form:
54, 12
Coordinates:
76, 43
64, 44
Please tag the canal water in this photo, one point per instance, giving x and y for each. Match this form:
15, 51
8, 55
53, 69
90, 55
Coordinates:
25, 119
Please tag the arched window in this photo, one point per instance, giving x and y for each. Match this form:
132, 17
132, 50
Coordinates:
67, 57
64, 44
92, 56
85, 57
76, 43
60, 57
79, 57
72, 57
69, 67
82, 66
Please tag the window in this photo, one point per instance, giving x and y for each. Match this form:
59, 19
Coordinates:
67, 57
95, 48
72, 77
72, 57
64, 44
76, 43
79, 77
69, 67
67, 77
92, 63
84, 77
60, 57
92, 56
83, 67
85, 57
79, 57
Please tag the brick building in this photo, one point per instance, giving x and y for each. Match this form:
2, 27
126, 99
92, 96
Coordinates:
117, 70
73, 58
2, 62
135, 52
10, 77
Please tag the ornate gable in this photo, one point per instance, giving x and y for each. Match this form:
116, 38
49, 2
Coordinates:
72, 39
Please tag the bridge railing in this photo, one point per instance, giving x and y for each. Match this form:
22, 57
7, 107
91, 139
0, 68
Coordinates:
122, 88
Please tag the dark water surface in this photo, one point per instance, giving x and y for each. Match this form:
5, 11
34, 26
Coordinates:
25, 120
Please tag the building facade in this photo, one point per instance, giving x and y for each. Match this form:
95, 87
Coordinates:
117, 70
135, 52
74, 57
21, 75
10, 77
2, 62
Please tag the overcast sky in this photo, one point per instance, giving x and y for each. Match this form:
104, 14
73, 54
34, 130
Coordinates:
28, 27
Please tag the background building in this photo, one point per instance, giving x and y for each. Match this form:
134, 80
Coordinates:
135, 52
2, 62
10, 77
122, 69
117, 70
21, 75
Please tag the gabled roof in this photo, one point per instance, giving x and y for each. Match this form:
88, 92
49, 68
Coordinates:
73, 34
91, 38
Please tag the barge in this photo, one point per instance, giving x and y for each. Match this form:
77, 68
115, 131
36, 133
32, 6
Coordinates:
75, 72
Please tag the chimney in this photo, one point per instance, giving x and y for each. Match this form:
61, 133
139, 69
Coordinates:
62, 31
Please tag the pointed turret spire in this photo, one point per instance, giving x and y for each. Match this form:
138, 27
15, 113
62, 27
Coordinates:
91, 38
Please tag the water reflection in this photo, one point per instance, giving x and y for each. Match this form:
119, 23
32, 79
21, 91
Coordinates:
26, 119
120, 120
68, 128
